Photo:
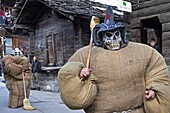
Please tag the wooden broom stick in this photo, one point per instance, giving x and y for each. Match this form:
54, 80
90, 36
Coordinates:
26, 102
94, 20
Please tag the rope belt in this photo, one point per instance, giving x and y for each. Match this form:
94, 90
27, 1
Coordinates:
130, 110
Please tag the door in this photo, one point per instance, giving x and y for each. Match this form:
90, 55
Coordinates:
151, 28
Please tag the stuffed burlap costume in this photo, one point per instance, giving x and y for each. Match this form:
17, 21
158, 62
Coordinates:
12, 68
123, 76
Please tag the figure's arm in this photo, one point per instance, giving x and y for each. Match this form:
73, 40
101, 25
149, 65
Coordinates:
39, 66
13, 66
73, 89
157, 82
149, 94
85, 72
81, 56
156, 72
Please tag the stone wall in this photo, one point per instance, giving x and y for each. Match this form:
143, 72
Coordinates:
47, 81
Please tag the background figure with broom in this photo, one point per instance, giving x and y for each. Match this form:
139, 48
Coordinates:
17, 72
129, 77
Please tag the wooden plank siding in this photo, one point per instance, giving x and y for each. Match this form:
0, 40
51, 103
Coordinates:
154, 9
68, 37
149, 9
149, 3
166, 48
163, 17
55, 24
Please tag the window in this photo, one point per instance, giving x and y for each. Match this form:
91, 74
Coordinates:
54, 45
50, 50
59, 49
8, 44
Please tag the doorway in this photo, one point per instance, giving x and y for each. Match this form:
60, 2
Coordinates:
151, 28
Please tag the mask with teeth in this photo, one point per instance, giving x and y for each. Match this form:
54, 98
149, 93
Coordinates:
112, 39
111, 34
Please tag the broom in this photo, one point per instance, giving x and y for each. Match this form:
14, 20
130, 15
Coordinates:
26, 102
94, 20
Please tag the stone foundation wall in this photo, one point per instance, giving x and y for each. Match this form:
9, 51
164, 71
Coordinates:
47, 82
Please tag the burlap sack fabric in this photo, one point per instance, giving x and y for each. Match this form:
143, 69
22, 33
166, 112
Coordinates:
12, 68
158, 80
76, 94
16, 94
123, 76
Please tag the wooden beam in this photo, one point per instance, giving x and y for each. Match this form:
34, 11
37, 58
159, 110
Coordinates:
158, 9
18, 19
163, 18
166, 27
43, 9
21, 26
165, 45
150, 3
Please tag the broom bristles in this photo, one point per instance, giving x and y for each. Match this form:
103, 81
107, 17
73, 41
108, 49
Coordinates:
27, 105
26, 102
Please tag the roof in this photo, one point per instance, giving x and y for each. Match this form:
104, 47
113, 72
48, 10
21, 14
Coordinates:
32, 9
77, 8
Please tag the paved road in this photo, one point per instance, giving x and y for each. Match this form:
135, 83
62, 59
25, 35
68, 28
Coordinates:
44, 102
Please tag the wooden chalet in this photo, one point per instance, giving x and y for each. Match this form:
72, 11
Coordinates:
57, 29
150, 19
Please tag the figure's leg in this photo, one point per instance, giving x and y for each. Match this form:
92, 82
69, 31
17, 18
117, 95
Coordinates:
33, 81
37, 83
16, 93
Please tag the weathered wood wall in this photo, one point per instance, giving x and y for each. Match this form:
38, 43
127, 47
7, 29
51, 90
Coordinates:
148, 9
71, 35
74, 34
48, 23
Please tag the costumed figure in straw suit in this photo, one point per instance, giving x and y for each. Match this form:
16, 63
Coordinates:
129, 77
14, 66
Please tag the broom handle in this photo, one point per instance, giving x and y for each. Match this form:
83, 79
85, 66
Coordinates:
94, 20
89, 52
24, 85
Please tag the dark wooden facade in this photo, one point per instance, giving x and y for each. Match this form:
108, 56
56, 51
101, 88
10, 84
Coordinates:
56, 37
56, 30
151, 19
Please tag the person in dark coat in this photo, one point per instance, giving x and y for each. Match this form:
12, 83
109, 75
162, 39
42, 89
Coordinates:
155, 45
36, 67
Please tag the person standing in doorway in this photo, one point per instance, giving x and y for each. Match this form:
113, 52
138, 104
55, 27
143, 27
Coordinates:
36, 67
155, 45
